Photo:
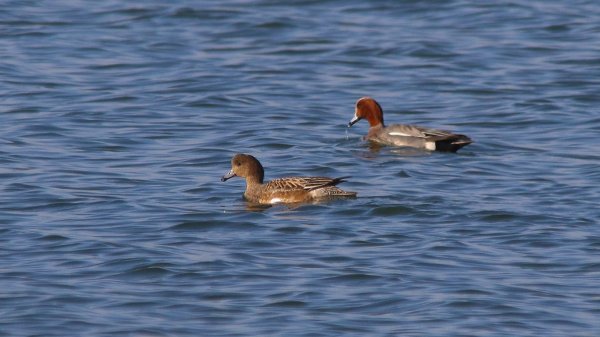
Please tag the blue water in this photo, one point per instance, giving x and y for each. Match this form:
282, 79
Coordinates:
117, 119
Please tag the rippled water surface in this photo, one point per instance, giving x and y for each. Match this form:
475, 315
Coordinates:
118, 118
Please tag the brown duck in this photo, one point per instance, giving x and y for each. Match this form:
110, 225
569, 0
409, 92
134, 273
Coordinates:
282, 190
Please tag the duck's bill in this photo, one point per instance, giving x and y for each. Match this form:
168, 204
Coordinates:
353, 121
229, 175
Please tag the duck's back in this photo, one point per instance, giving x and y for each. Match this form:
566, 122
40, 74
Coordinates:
418, 137
300, 189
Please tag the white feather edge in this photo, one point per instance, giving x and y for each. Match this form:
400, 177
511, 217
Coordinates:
428, 145
396, 133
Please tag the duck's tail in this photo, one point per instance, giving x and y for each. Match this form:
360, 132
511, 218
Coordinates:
453, 143
330, 190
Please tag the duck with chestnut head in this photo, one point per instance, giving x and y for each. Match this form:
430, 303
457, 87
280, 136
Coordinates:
404, 134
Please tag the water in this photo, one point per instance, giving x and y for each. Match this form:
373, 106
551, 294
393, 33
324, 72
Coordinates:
118, 119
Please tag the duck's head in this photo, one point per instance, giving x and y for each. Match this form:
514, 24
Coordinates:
369, 109
245, 166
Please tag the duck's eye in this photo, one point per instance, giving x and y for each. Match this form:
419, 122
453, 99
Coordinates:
237, 163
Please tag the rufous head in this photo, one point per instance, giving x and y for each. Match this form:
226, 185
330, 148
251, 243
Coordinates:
245, 166
369, 109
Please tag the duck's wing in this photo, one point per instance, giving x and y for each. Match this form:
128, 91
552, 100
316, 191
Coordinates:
302, 183
420, 137
406, 130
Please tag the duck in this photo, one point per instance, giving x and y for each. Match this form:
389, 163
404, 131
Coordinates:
404, 134
282, 190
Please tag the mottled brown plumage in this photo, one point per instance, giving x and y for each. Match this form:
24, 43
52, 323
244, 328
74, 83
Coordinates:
282, 190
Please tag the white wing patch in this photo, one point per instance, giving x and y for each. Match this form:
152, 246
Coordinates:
275, 200
430, 146
396, 133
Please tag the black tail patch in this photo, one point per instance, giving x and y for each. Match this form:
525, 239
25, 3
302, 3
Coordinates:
452, 144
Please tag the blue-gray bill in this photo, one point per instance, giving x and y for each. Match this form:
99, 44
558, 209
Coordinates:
227, 176
353, 121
